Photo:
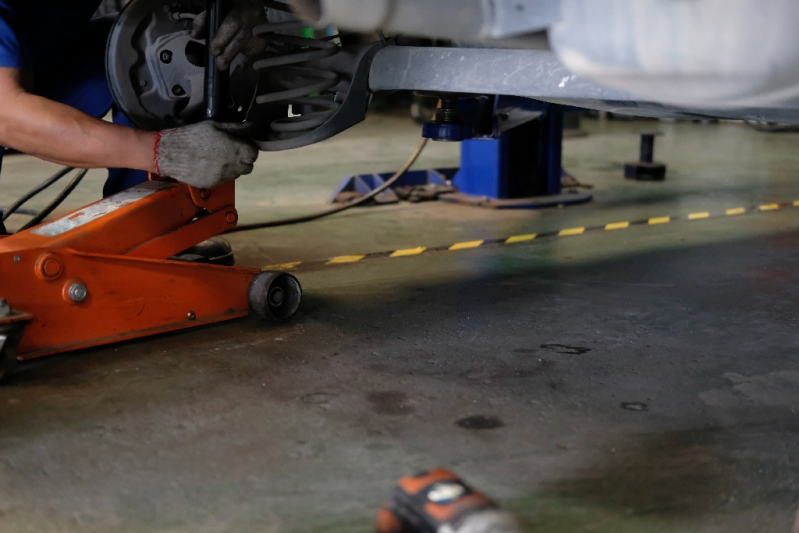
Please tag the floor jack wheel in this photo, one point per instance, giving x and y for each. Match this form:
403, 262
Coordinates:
274, 295
9, 339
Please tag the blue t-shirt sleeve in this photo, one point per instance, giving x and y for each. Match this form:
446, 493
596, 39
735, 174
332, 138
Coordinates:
13, 52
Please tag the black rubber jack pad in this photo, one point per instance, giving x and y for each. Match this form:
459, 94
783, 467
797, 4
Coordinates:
641, 171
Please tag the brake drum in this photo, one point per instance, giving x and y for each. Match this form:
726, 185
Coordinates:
156, 69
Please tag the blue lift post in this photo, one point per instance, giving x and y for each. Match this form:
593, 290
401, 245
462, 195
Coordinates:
511, 155
518, 165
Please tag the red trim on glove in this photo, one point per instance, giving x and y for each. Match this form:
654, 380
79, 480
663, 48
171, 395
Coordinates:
155, 153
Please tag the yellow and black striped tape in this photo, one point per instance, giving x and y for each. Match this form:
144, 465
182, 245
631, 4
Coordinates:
530, 237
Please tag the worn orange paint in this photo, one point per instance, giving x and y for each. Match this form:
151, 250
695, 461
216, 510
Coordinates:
120, 252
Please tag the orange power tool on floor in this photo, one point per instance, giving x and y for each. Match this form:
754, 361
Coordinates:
438, 501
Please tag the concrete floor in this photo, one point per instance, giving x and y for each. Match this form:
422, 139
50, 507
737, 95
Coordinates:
643, 380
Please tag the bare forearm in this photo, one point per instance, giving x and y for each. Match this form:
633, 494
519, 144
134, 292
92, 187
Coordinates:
61, 134
202, 155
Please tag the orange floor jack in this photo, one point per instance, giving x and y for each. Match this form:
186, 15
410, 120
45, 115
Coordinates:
102, 274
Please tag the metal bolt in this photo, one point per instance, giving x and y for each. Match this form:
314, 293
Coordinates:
166, 56
5, 308
17, 259
77, 292
177, 90
142, 83
191, 315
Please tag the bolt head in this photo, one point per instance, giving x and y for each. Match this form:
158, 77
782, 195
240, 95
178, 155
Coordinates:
191, 315
178, 90
78, 292
166, 56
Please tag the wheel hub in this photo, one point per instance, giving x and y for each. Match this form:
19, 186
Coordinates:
277, 296
156, 69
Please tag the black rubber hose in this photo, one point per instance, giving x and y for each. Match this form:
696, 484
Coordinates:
333, 210
52, 206
26, 212
13, 208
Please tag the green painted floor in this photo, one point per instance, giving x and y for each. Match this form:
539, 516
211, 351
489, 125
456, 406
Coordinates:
645, 379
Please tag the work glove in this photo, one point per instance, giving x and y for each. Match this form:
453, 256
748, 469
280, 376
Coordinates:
204, 155
235, 33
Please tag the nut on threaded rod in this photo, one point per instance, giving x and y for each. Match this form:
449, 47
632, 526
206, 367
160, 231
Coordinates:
448, 112
448, 123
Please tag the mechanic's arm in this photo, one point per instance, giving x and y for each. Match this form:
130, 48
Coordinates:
61, 134
202, 155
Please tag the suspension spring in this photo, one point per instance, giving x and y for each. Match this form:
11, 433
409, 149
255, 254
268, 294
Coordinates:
306, 88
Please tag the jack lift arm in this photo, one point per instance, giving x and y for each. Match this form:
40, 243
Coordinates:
101, 274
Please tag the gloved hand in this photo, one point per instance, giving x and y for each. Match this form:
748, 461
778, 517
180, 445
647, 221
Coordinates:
235, 34
204, 155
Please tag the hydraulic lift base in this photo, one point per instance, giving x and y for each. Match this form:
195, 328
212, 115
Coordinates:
537, 202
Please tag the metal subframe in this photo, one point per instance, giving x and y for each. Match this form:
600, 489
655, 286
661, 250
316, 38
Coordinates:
533, 74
